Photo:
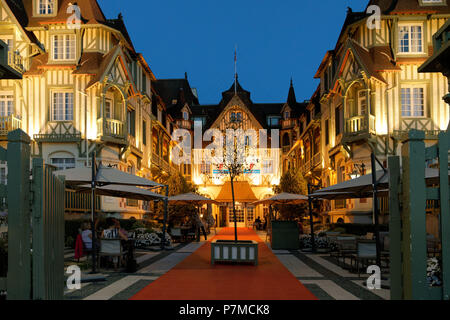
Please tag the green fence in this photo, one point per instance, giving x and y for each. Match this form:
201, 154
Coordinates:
409, 193
35, 225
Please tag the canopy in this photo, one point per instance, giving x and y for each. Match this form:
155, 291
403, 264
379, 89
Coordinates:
284, 198
242, 192
362, 187
190, 198
122, 191
105, 176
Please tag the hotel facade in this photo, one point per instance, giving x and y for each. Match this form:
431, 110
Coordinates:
76, 91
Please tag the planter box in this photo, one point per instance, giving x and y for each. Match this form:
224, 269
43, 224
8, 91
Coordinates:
237, 252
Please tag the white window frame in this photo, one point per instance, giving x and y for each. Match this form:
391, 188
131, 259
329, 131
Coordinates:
185, 115
432, 2
65, 113
66, 163
6, 109
111, 108
410, 26
362, 97
49, 7
411, 101
66, 56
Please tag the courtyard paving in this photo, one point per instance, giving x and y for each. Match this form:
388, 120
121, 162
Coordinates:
318, 273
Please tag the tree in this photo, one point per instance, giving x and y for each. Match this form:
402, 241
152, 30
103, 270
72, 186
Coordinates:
178, 185
291, 182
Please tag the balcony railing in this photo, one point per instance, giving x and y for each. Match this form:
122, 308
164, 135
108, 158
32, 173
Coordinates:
312, 163
165, 166
156, 160
8, 124
288, 123
80, 202
15, 61
185, 124
110, 128
360, 124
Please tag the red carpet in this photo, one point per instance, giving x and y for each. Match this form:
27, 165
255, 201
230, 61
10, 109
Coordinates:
196, 279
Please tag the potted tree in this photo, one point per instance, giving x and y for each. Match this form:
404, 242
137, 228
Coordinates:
236, 159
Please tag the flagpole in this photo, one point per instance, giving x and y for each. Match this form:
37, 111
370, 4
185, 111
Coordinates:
235, 70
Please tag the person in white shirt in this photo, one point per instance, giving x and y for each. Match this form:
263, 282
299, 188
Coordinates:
86, 236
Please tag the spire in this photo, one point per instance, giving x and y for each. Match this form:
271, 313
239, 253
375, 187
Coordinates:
291, 100
235, 71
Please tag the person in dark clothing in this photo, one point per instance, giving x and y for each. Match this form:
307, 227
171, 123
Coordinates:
200, 227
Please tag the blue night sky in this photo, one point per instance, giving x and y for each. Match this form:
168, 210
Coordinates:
276, 40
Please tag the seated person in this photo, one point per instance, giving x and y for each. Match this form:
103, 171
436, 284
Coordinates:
112, 231
86, 236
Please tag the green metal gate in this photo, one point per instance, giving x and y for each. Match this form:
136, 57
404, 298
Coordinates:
35, 221
409, 193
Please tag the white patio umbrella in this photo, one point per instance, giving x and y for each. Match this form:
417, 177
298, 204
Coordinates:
123, 191
105, 176
362, 187
283, 198
190, 198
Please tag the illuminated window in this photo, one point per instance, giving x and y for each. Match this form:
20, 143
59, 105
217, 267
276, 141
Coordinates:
63, 163
267, 167
109, 108
205, 168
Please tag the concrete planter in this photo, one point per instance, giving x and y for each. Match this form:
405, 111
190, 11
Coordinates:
237, 252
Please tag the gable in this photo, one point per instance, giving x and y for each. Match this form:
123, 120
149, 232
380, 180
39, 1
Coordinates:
237, 105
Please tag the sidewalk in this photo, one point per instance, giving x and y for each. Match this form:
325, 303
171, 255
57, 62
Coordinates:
316, 273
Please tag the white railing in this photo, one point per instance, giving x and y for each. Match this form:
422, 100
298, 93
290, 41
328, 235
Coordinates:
15, 61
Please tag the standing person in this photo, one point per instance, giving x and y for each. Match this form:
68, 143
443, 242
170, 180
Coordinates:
200, 227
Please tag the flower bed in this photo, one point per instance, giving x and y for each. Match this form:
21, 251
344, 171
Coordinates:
321, 243
434, 276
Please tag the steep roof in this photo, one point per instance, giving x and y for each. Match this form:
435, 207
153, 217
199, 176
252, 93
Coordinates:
408, 7
175, 89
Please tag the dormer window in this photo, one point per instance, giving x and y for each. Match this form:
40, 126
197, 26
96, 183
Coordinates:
45, 7
185, 115
64, 47
287, 115
411, 38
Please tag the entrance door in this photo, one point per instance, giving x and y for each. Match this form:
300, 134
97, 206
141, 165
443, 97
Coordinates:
240, 217
223, 217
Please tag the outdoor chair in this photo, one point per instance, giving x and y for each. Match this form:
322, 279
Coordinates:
112, 248
191, 234
346, 248
332, 236
366, 251
176, 234
433, 247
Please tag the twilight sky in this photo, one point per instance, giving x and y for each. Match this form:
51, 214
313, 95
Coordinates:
276, 40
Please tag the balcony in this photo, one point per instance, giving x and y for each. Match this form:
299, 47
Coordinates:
312, 164
60, 131
80, 202
185, 124
288, 123
111, 129
359, 125
156, 160
8, 124
424, 124
136, 148
15, 61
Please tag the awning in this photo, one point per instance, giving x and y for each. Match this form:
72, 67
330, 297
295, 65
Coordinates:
190, 198
121, 191
242, 193
362, 187
105, 176
284, 198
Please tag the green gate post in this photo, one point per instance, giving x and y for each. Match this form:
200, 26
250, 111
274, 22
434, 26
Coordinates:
445, 212
38, 232
414, 217
19, 231
395, 229
48, 233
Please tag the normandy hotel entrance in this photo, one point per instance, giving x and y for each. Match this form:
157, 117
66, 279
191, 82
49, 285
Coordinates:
245, 212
